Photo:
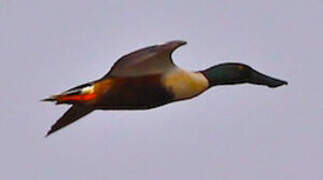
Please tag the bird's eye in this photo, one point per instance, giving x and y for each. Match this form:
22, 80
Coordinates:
240, 67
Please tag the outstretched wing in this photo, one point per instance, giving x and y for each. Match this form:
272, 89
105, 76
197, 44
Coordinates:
150, 60
70, 116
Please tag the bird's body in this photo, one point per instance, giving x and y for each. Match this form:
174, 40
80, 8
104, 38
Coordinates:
132, 93
146, 79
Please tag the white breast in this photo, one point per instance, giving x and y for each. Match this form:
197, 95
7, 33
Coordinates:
184, 84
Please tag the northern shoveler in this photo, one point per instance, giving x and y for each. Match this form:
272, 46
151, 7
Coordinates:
148, 78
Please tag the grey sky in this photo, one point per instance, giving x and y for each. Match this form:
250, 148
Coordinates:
237, 132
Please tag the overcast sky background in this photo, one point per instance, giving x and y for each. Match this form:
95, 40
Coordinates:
235, 132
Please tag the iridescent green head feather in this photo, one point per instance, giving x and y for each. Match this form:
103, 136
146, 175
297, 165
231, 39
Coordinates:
236, 73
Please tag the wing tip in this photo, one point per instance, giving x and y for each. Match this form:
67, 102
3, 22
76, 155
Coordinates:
73, 114
51, 131
47, 134
175, 44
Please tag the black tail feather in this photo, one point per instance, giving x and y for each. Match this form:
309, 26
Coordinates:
50, 99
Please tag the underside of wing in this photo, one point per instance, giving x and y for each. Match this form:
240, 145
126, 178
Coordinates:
70, 116
150, 60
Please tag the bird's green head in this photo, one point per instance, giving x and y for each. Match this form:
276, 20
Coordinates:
236, 73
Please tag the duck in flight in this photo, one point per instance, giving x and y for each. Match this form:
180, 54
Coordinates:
148, 78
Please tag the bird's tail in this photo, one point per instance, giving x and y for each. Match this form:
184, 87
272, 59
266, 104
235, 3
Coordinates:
77, 95
70, 98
